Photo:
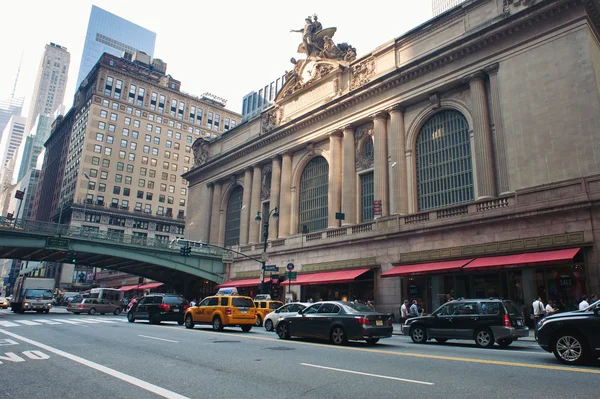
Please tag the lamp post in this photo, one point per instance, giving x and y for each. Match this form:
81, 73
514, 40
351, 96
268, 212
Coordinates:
273, 212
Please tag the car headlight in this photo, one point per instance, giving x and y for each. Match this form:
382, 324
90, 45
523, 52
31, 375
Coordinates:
26, 304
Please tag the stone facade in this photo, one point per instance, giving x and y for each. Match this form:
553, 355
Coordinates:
524, 75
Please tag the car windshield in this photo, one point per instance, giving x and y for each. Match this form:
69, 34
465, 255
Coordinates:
356, 308
242, 302
38, 294
175, 300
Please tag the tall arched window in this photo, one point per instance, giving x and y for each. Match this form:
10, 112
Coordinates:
314, 185
233, 216
444, 167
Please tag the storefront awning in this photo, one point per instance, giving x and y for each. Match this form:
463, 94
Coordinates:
341, 276
250, 282
522, 260
426, 268
149, 286
126, 288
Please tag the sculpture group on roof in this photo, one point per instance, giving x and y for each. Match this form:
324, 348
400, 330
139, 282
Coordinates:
318, 43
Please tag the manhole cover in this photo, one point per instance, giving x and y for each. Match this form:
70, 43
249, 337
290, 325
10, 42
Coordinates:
225, 342
280, 348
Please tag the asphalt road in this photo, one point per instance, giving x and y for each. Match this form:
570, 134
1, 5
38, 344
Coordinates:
60, 355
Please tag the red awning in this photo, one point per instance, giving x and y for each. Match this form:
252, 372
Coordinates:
341, 276
427, 268
150, 286
126, 288
520, 260
250, 282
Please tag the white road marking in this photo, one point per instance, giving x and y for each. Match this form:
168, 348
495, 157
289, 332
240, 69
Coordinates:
122, 319
160, 339
367, 374
88, 321
46, 321
114, 373
99, 320
67, 321
8, 324
28, 322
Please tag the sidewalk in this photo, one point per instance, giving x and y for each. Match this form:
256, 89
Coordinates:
398, 331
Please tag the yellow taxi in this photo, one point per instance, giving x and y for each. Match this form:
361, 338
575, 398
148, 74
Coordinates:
264, 307
222, 311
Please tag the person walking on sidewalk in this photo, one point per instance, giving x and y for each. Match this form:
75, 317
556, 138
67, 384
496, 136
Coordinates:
539, 311
584, 304
404, 311
414, 309
550, 309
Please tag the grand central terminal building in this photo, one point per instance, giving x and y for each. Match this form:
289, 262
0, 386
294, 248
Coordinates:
460, 159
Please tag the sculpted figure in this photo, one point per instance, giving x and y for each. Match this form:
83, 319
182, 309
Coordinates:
308, 31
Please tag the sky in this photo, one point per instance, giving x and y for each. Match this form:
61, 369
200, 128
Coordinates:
227, 47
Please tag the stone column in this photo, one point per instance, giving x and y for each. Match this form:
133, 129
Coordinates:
349, 177
484, 158
215, 213
500, 140
245, 212
208, 198
285, 205
381, 162
399, 172
274, 201
253, 227
334, 195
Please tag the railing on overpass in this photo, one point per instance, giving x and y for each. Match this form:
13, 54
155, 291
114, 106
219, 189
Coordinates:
63, 230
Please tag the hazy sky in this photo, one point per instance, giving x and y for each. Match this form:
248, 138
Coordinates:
228, 48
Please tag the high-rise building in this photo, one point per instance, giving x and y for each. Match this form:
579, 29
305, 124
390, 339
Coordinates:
109, 33
9, 107
11, 139
254, 102
50, 84
439, 6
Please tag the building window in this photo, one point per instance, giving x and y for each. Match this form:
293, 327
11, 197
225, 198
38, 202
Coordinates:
367, 187
140, 97
126, 192
209, 120
233, 215
97, 149
106, 162
161, 103
109, 85
313, 196
153, 98
109, 139
443, 159
199, 116
107, 150
103, 113
118, 178
132, 90
99, 137
118, 89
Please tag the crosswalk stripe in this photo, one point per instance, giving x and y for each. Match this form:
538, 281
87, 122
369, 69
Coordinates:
46, 321
67, 321
121, 319
8, 324
28, 322
103, 321
88, 321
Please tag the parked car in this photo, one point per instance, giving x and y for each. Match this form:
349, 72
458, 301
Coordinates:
157, 308
223, 311
487, 321
265, 307
573, 337
272, 319
93, 306
338, 322
4, 304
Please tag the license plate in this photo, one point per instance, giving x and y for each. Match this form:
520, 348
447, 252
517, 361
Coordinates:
379, 322
37, 307
175, 310
242, 311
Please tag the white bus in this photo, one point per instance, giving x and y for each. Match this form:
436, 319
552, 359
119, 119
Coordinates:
112, 295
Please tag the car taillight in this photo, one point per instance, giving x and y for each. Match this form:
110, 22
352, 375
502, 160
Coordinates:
389, 322
164, 307
228, 311
81, 306
185, 307
507, 321
362, 320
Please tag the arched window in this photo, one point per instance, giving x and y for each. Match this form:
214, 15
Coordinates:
444, 167
233, 216
314, 184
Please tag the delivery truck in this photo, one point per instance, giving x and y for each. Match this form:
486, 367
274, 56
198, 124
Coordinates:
32, 294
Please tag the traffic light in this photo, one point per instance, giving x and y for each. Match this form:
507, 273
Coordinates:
185, 251
71, 257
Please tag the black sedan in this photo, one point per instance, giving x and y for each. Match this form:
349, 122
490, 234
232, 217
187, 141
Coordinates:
573, 337
337, 322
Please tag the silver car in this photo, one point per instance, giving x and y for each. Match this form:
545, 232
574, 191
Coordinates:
272, 319
93, 306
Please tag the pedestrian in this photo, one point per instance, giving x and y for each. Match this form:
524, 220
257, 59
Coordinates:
414, 309
370, 306
404, 311
539, 311
193, 302
550, 309
594, 298
310, 300
584, 303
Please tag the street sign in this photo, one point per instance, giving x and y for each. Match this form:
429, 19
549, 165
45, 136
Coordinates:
57, 242
264, 257
271, 268
291, 275
290, 266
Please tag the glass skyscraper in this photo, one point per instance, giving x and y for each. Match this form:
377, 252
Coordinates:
109, 33
9, 107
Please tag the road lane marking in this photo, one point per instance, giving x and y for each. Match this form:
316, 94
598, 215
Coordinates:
47, 321
367, 374
8, 324
160, 339
88, 321
28, 322
67, 321
409, 354
114, 373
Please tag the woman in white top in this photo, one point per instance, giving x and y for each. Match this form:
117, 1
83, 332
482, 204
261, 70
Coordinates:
584, 303
550, 309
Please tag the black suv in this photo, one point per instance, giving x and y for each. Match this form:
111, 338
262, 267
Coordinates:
159, 307
484, 320
574, 337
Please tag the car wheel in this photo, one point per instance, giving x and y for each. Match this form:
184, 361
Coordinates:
570, 349
269, 325
441, 340
130, 317
217, 324
484, 338
283, 331
258, 321
189, 321
117, 311
246, 328
418, 334
505, 342
338, 336
372, 341
92, 311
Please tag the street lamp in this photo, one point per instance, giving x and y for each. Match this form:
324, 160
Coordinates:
273, 212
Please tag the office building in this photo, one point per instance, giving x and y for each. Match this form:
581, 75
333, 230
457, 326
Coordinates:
440, 6
51, 81
109, 33
9, 107
11, 139
254, 102
459, 159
